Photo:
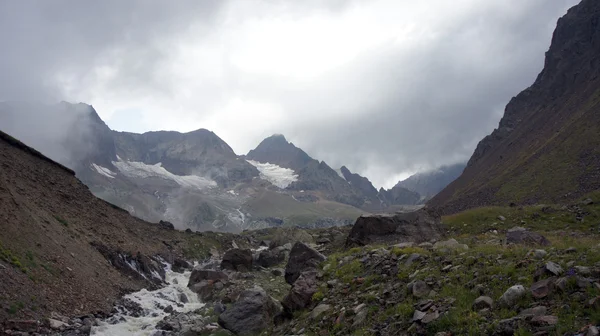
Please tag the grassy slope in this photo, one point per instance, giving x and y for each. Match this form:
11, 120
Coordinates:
553, 155
488, 263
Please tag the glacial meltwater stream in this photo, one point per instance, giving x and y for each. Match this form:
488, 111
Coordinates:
153, 304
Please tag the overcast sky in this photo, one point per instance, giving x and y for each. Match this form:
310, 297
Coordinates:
385, 87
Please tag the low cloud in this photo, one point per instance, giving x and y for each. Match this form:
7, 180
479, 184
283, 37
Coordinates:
384, 87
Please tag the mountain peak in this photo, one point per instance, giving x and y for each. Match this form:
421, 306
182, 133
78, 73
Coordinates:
277, 150
277, 138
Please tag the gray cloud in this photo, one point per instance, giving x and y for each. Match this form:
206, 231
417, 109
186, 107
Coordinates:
423, 84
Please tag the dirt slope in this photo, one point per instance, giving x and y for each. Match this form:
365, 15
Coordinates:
48, 222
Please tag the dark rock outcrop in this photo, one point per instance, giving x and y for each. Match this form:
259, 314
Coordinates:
139, 266
302, 258
251, 314
418, 226
180, 265
301, 293
237, 260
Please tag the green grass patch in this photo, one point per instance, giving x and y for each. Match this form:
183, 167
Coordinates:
11, 258
61, 220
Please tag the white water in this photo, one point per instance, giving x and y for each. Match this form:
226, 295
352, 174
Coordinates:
166, 296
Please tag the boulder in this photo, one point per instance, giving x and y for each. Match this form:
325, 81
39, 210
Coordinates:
519, 235
237, 260
483, 302
418, 226
553, 268
588, 201
542, 288
302, 258
320, 309
206, 283
204, 274
420, 289
535, 311
270, 258
251, 314
450, 244
539, 254
206, 289
547, 320
512, 295
180, 265
301, 293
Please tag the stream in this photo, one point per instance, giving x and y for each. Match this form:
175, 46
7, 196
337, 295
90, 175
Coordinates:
153, 304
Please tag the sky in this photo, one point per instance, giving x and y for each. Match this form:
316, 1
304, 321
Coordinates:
385, 87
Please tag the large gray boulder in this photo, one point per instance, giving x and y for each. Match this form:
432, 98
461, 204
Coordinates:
512, 296
302, 258
417, 226
237, 260
251, 314
301, 293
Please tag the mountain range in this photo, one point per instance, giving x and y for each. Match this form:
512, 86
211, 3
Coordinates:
195, 180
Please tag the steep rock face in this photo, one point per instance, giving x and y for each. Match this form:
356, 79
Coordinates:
359, 182
547, 145
399, 195
418, 226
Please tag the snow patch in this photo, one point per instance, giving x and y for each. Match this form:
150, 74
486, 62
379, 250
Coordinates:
339, 172
104, 171
278, 176
142, 170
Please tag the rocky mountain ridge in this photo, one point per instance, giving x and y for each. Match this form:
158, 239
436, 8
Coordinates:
546, 146
195, 180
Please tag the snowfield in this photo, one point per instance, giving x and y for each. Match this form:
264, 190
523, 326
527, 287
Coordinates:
278, 176
104, 171
142, 170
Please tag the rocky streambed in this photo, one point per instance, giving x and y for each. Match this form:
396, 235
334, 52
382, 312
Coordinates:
141, 313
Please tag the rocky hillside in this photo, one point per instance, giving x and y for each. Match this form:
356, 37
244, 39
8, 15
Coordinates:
488, 271
64, 251
547, 145
67, 257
